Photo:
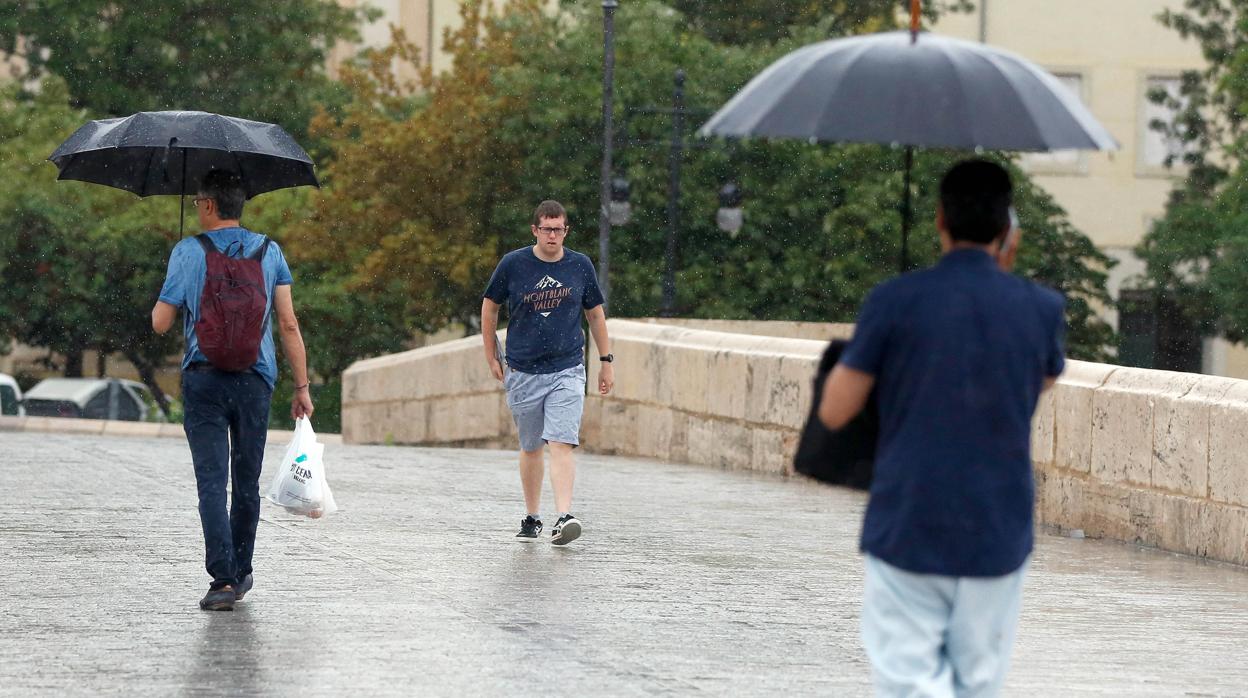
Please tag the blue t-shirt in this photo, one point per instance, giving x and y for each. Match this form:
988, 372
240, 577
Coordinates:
184, 284
960, 353
544, 302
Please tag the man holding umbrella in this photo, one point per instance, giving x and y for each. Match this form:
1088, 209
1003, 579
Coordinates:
958, 356
222, 280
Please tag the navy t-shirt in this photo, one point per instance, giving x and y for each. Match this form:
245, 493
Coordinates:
960, 353
544, 302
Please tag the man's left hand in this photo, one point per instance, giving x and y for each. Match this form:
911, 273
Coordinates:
301, 404
606, 377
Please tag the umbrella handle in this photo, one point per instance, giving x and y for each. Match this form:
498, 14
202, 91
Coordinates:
916, 13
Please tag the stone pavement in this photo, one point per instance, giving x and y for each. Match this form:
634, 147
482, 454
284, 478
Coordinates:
689, 580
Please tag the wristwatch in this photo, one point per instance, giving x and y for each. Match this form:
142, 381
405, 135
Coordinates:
609, 358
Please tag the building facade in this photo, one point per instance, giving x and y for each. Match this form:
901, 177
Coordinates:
1111, 53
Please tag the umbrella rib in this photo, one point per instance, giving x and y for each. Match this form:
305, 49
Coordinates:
151, 162
238, 163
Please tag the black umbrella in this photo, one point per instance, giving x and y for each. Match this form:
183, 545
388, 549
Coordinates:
169, 152
911, 89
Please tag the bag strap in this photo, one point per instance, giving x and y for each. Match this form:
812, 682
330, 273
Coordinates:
258, 255
204, 242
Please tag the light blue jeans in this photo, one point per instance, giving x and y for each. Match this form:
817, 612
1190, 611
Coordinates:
935, 636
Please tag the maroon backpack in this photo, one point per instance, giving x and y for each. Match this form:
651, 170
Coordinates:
232, 307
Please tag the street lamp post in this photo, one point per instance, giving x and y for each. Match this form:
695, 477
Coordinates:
608, 109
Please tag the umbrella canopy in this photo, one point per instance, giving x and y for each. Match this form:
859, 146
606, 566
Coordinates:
919, 90
913, 89
169, 152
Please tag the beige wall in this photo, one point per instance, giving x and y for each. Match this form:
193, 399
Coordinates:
1144, 456
424, 21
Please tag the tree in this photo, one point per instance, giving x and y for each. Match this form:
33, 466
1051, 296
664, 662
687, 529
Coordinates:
1197, 252
424, 194
81, 265
263, 61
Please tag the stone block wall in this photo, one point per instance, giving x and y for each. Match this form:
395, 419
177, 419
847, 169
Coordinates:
440, 395
1145, 456
693, 396
1152, 457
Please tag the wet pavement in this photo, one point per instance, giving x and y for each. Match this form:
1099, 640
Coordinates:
688, 580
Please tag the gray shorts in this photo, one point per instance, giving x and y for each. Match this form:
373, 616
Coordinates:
547, 406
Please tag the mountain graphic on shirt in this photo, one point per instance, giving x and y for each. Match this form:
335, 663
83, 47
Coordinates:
548, 282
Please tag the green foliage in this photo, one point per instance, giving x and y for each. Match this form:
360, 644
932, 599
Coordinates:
1196, 254
80, 265
822, 223
426, 193
263, 61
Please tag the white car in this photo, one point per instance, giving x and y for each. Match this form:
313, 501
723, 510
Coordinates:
10, 397
92, 398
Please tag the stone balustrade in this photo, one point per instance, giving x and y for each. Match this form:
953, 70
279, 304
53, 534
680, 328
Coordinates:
1131, 454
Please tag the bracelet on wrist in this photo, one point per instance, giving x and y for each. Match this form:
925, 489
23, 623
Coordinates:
301, 387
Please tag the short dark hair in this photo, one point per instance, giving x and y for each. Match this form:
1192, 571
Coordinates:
549, 209
225, 188
976, 196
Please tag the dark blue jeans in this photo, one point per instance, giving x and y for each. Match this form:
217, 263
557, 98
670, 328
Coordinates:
226, 422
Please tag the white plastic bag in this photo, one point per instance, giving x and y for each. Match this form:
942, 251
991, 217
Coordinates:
300, 485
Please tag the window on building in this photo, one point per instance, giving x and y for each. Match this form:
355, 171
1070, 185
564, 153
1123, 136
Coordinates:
1060, 161
1156, 146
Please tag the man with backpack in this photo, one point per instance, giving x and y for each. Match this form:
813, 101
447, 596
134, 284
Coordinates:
228, 281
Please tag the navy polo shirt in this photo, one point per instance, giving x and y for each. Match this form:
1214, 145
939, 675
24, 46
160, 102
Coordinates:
960, 353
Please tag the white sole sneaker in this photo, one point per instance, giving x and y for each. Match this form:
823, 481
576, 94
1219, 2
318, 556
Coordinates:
568, 532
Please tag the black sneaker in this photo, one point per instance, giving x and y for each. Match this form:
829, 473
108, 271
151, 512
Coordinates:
566, 530
241, 590
218, 599
530, 529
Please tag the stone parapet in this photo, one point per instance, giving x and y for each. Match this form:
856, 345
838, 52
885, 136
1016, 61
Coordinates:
1152, 457
735, 401
438, 395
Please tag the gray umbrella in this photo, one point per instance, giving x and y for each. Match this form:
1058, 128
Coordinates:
169, 152
910, 89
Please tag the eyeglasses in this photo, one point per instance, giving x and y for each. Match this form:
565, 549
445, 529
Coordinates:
553, 231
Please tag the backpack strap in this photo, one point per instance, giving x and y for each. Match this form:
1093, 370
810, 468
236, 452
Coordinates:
258, 255
204, 242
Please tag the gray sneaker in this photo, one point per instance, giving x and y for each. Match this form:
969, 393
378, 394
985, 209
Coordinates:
566, 530
218, 599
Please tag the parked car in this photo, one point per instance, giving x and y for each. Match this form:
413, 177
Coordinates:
92, 398
10, 397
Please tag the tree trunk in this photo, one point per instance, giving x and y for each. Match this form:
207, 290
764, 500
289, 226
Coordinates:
101, 363
73, 364
147, 373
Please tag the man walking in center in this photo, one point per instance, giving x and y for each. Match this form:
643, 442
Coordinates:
546, 288
227, 375
957, 355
